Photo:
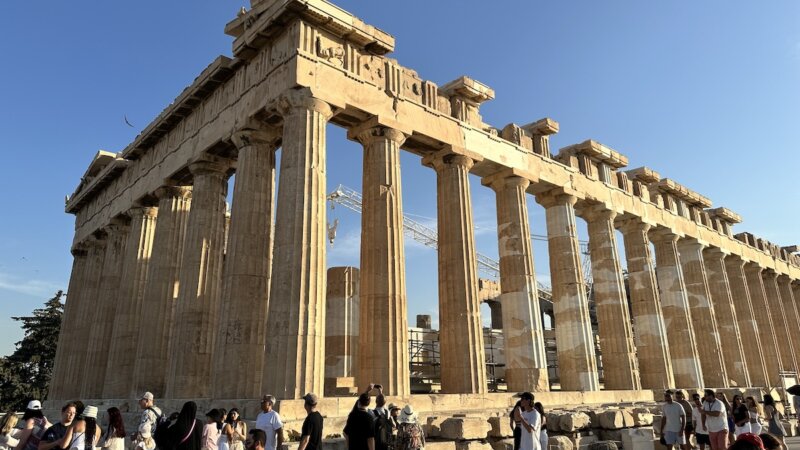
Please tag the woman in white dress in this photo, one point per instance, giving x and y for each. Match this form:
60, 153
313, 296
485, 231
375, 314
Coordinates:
114, 438
543, 437
83, 433
755, 415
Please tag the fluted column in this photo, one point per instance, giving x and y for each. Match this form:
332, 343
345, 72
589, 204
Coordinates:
197, 310
620, 367
769, 341
68, 323
779, 322
577, 366
384, 333
161, 291
341, 326
732, 347
127, 320
747, 320
675, 304
79, 338
105, 309
790, 313
463, 362
649, 331
239, 353
523, 334
295, 351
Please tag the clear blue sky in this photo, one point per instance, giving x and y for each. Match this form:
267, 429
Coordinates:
707, 93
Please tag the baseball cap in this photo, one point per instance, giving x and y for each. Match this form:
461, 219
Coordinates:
34, 404
147, 396
311, 398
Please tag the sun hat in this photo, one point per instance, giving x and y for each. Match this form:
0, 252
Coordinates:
34, 404
147, 396
90, 412
408, 415
392, 407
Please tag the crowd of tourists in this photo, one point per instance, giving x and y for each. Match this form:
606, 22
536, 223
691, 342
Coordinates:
715, 422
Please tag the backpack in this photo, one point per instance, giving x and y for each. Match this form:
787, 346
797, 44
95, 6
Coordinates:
160, 423
383, 429
409, 437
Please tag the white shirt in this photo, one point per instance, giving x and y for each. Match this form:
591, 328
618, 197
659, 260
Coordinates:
269, 423
697, 417
672, 414
530, 441
719, 423
10, 440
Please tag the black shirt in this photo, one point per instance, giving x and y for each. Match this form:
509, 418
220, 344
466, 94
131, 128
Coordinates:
54, 433
312, 427
740, 413
360, 427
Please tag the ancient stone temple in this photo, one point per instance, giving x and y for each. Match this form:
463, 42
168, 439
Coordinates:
155, 243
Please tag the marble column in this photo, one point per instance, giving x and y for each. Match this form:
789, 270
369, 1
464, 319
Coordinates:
68, 323
78, 340
463, 369
577, 366
127, 320
239, 353
197, 309
295, 348
748, 322
161, 291
725, 314
779, 322
790, 313
675, 304
523, 334
342, 306
383, 268
649, 330
104, 309
769, 342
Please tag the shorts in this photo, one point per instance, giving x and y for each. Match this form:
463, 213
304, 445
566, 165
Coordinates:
674, 437
689, 428
702, 439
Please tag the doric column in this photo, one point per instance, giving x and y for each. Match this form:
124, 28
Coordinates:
79, 338
732, 347
104, 310
239, 352
463, 368
384, 332
341, 327
197, 310
779, 322
790, 314
675, 305
161, 291
703, 321
650, 333
68, 323
747, 320
620, 367
769, 341
295, 350
577, 366
127, 320
523, 334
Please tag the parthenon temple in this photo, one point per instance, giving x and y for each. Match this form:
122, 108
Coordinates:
186, 295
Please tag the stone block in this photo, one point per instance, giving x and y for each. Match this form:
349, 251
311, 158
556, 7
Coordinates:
473, 445
574, 421
641, 417
615, 419
440, 445
657, 425
603, 445
553, 421
499, 444
610, 435
638, 439
560, 443
501, 427
465, 428
582, 440
432, 426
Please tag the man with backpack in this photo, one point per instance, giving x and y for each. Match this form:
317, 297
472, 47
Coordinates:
383, 425
151, 416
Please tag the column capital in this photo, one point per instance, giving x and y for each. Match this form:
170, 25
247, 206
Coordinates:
632, 224
661, 234
441, 160
184, 192
692, 243
379, 132
257, 134
142, 211
296, 101
79, 250
770, 273
209, 167
555, 197
714, 253
593, 212
500, 184
753, 267
783, 278
116, 226
735, 259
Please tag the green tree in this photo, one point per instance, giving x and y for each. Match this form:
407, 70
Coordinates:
25, 374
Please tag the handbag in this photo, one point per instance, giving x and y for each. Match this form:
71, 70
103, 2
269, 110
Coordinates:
189, 433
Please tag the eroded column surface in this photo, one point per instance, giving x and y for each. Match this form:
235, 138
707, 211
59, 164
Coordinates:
577, 366
383, 266
732, 347
675, 304
127, 320
239, 353
620, 367
104, 310
79, 338
791, 316
747, 320
779, 320
523, 334
161, 291
769, 342
68, 323
463, 367
197, 309
295, 351
342, 304
649, 331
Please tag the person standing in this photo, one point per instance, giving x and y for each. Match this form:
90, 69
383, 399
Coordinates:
211, 430
114, 439
359, 432
755, 412
741, 416
409, 434
673, 422
311, 433
394, 415
9, 433
700, 431
530, 421
84, 433
234, 432
185, 431
383, 426
151, 414
543, 437
680, 398
516, 426
773, 416
34, 426
715, 419
53, 436
257, 439
270, 422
